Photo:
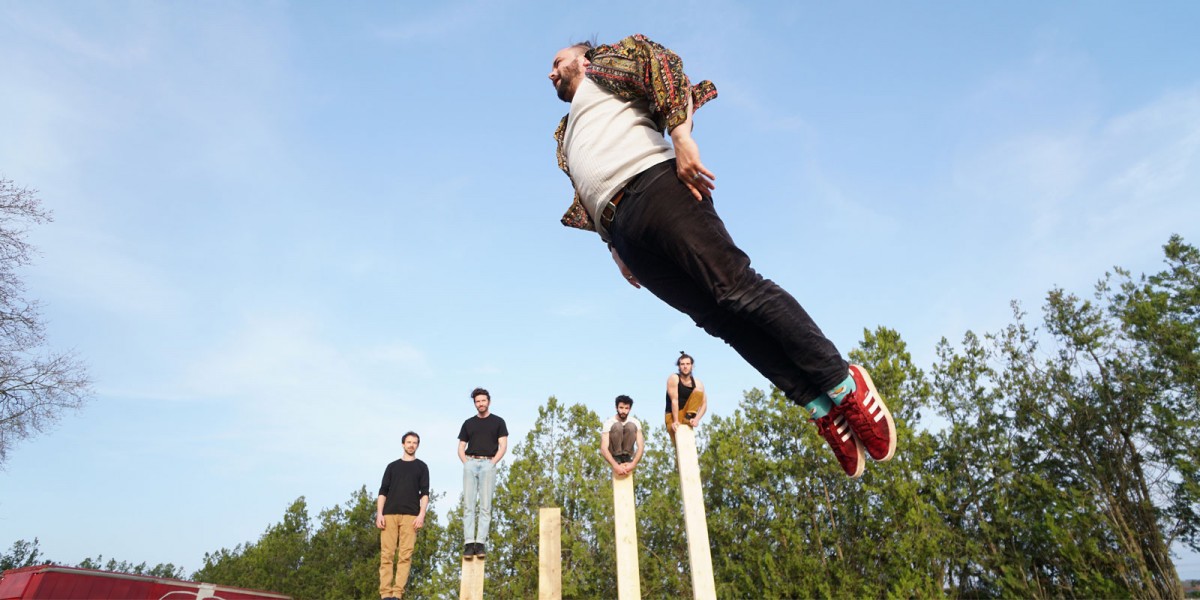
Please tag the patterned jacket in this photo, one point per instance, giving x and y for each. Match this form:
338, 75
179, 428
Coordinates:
634, 68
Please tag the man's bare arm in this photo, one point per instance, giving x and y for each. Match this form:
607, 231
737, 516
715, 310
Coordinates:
379, 522
688, 167
500, 452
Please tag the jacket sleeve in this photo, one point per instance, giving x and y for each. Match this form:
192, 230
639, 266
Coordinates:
637, 67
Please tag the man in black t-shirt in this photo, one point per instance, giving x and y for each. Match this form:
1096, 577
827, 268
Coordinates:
481, 444
400, 512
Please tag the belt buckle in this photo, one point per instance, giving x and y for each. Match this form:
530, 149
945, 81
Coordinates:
607, 213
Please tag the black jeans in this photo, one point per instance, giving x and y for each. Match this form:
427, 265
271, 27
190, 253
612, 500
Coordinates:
678, 249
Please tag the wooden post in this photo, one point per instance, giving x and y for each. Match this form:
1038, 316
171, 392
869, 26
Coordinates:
550, 554
703, 585
472, 579
629, 583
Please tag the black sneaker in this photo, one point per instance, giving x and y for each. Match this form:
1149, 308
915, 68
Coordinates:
479, 550
469, 550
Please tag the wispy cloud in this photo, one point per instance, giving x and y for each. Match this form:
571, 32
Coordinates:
1098, 179
309, 395
1162, 144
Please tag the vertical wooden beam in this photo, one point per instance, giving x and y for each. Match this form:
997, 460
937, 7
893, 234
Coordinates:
703, 585
550, 553
472, 579
629, 583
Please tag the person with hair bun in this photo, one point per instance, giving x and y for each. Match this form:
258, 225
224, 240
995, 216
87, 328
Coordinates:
685, 396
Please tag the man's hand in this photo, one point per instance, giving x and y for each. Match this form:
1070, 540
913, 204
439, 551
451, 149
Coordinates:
419, 522
622, 469
625, 272
379, 522
695, 422
688, 167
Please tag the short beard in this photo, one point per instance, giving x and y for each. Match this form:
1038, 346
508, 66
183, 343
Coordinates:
566, 86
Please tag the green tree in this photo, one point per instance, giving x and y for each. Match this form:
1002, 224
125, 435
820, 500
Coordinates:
22, 554
1069, 466
342, 556
166, 570
272, 563
342, 559
337, 557
784, 520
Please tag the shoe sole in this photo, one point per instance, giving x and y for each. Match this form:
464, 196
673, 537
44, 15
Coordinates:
887, 415
862, 452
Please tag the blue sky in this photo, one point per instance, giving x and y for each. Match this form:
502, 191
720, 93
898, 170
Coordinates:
285, 233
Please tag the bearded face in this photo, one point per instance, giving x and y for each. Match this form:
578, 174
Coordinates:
569, 81
566, 72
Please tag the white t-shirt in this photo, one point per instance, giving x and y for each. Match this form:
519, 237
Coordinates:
607, 142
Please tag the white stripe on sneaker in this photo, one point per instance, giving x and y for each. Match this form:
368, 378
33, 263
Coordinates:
842, 427
873, 406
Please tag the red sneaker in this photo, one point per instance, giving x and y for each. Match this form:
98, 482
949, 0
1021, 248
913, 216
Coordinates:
846, 447
869, 417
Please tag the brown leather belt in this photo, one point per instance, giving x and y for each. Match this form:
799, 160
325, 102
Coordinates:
639, 182
610, 210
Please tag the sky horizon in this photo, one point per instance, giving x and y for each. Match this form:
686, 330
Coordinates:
285, 233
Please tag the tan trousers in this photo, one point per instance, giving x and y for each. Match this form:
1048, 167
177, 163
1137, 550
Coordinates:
691, 406
397, 534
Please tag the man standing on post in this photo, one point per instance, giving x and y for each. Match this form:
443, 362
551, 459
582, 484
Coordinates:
481, 444
621, 441
400, 512
686, 402
651, 202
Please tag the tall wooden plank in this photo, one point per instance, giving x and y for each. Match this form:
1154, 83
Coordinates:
550, 553
629, 583
703, 585
472, 579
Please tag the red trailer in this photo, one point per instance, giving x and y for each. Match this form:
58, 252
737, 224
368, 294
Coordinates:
51, 582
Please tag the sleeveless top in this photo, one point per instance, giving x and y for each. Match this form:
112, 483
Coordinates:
684, 393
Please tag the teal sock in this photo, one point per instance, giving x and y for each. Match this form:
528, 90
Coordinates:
819, 407
843, 389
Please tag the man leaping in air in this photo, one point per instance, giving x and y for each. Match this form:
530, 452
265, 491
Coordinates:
650, 200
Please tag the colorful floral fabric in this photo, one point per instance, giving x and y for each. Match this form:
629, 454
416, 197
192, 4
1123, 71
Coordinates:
637, 68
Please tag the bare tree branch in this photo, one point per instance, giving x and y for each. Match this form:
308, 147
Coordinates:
36, 385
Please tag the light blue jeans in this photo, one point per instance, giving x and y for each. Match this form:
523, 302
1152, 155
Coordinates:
479, 481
